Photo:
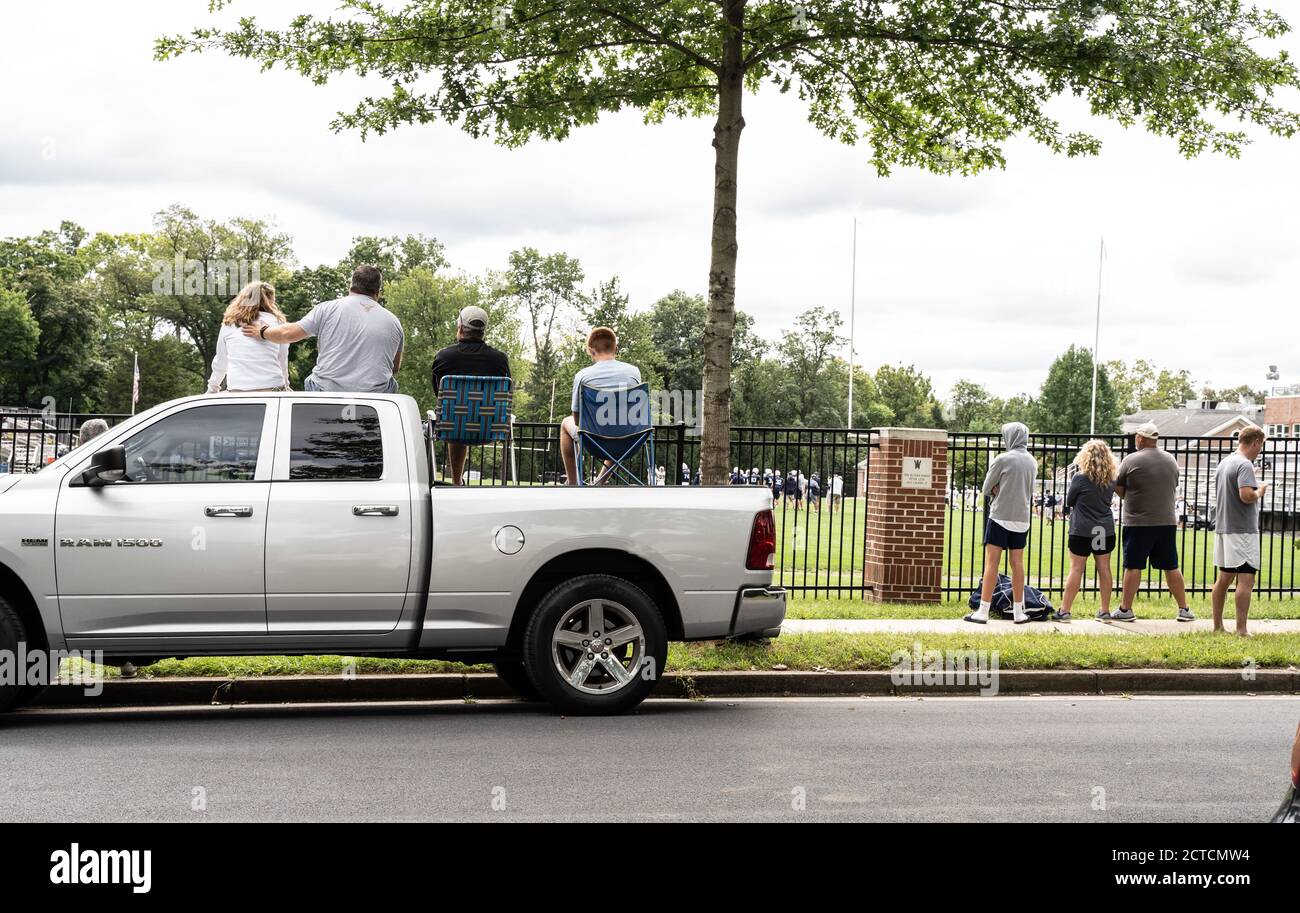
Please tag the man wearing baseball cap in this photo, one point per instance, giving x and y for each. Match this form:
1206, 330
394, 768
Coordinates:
468, 355
1148, 484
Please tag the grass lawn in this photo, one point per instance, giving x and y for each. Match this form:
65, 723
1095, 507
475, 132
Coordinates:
842, 652
820, 547
850, 652
1154, 606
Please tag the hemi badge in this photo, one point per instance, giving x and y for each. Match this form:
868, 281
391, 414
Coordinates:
36, 543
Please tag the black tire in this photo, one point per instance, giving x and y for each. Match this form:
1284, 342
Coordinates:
12, 633
623, 598
516, 679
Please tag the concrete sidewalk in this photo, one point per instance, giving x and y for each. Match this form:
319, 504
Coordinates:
1080, 625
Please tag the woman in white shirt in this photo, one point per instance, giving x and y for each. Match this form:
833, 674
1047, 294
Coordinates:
245, 363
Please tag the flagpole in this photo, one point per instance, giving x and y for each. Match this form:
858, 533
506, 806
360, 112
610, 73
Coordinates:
135, 380
853, 307
1096, 339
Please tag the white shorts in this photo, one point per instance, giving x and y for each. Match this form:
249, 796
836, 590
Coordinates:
1236, 550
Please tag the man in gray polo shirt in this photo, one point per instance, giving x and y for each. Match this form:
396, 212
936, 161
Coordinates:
358, 341
1236, 526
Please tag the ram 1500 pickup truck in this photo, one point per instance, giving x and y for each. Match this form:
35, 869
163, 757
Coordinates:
309, 523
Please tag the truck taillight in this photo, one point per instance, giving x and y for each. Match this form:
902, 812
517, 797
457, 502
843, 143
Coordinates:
762, 543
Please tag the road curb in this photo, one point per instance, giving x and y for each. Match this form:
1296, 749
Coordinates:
1214, 681
155, 692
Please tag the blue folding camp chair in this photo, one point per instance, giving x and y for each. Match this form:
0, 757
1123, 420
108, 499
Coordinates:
614, 424
476, 410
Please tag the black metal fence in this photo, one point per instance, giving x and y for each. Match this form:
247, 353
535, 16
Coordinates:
818, 476
31, 439
1047, 561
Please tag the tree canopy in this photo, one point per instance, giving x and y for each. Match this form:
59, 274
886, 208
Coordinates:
1141, 385
1065, 406
1242, 393
910, 396
936, 84
76, 310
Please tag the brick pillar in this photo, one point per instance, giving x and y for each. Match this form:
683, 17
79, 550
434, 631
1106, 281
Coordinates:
903, 558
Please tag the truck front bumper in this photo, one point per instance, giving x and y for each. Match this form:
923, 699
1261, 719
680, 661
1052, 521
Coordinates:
759, 611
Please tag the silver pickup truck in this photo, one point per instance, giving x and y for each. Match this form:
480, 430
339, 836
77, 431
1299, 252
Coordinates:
308, 523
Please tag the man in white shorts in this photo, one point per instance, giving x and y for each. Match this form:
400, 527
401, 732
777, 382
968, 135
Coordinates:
1236, 529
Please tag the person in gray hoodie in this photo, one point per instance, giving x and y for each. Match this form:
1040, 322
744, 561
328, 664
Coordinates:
1010, 482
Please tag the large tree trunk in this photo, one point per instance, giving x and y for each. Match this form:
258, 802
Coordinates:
715, 450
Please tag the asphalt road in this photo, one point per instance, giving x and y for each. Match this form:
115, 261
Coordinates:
895, 759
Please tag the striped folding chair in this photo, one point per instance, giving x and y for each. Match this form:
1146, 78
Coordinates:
614, 426
476, 410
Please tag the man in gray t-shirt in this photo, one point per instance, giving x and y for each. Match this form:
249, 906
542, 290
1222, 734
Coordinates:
604, 372
1149, 479
1148, 483
1236, 526
359, 341
1233, 515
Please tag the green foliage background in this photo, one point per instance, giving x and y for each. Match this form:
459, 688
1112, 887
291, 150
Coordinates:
76, 309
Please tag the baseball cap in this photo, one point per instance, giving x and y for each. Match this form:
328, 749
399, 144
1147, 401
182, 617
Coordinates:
1148, 430
474, 317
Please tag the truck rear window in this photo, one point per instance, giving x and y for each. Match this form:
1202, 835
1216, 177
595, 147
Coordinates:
335, 442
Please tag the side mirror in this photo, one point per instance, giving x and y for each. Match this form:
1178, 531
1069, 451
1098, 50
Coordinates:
106, 466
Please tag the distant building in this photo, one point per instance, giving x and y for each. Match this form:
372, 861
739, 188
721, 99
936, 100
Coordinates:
1282, 456
1282, 414
1200, 418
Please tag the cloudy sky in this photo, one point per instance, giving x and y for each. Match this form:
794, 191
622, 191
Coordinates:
987, 278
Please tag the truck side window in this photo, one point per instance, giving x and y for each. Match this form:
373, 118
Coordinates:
203, 444
335, 442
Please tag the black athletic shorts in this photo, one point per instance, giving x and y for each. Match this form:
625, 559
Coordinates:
1156, 544
997, 534
1082, 546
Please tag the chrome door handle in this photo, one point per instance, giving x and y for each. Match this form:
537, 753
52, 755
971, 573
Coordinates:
228, 510
374, 510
